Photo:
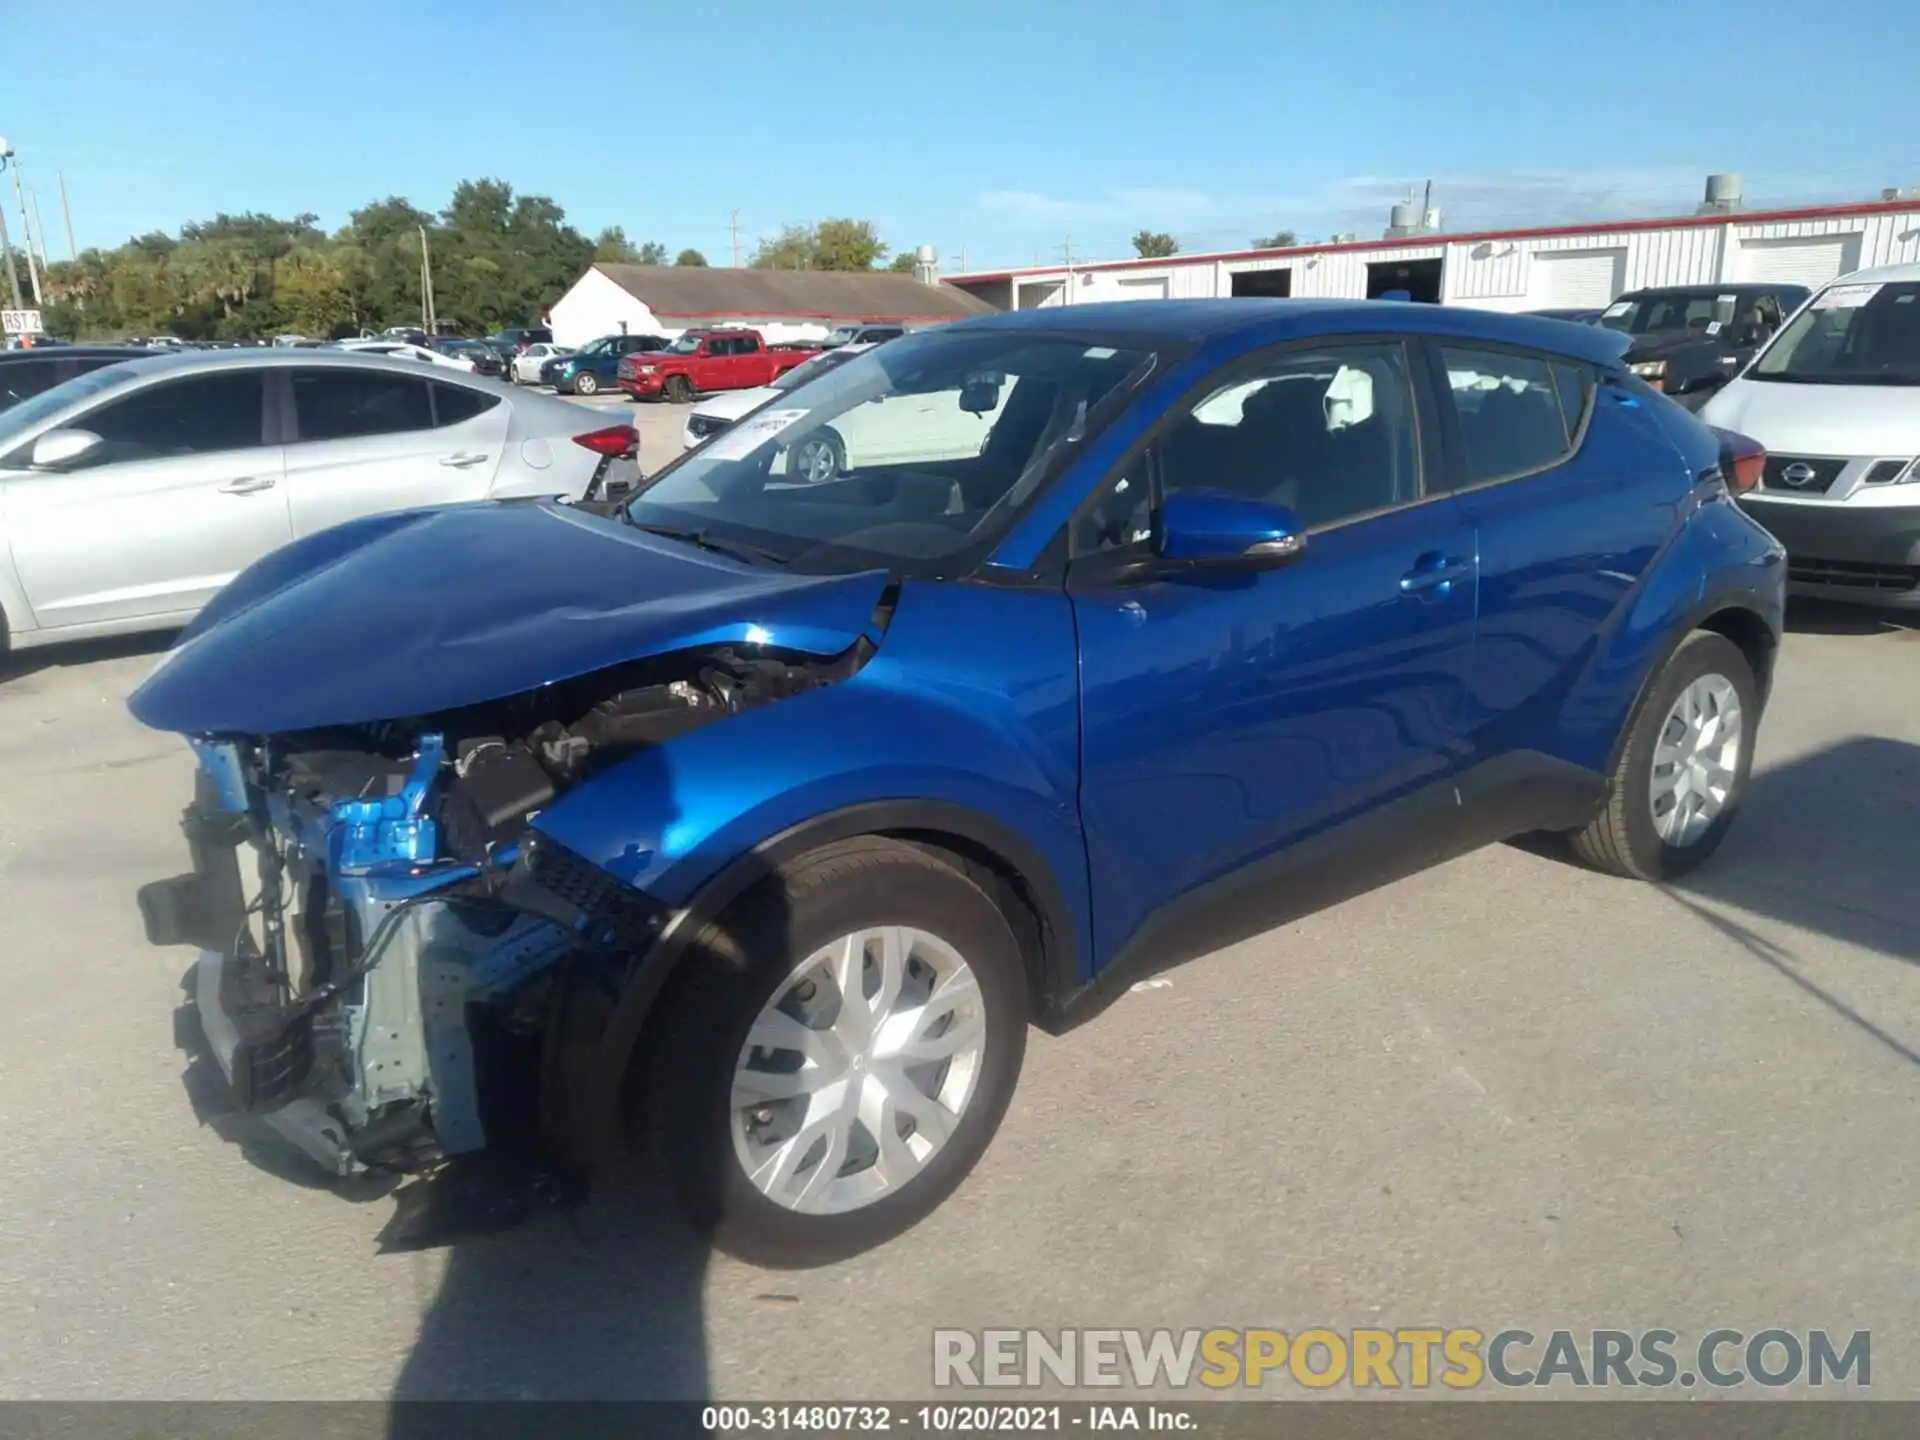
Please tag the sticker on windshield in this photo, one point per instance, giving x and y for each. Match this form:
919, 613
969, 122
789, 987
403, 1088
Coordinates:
1845, 297
1100, 352
1616, 310
1713, 327
751, 433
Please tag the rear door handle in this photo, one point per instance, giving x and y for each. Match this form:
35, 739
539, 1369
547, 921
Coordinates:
461, 462
1434, 574
248, 485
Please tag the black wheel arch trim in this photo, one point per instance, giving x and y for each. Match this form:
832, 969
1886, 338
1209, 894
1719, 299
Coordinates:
1695, 618
587, 1117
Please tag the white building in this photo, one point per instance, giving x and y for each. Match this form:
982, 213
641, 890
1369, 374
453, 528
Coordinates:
780, 304
1560, 267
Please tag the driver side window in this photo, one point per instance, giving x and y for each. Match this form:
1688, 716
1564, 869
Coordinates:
1329, 433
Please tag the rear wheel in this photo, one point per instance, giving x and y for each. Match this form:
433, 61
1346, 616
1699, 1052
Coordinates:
1684, 769
586, 383
838, 1054
821, 456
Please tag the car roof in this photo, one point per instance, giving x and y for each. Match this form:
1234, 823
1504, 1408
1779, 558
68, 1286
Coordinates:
1251, 322
76, 352
266, 357
1881, 275
1732, 287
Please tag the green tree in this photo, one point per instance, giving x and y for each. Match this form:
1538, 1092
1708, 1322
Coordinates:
796, 247
690, 257
830, 245
653, 253
612, 247
1279, 240
847, 245
903, 263
1155, 245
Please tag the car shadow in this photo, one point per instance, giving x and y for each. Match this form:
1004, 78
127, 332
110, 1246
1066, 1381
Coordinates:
20, 664
604, 1302
1833, 617
1827, 843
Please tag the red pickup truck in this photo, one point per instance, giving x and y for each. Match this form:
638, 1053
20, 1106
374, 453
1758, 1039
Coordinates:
706, 360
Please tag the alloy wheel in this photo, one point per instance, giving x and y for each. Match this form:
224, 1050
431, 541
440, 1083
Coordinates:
857, 1070
1696, 760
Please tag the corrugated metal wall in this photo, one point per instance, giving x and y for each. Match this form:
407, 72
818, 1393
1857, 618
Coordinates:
1496, 274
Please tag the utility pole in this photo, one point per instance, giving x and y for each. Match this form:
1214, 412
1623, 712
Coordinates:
6, 258
427, 315
733, 228
40, 231
73, 250
33, 270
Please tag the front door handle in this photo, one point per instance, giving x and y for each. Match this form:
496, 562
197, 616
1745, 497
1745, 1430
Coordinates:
248, 485
461, 462
1433, 574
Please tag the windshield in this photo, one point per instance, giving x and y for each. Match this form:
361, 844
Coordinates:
686, 344
819, 365
596, 347
918, 454
31, 411
1648, 314
1859, 334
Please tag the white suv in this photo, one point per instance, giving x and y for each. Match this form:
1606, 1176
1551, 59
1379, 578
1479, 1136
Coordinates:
1835, 399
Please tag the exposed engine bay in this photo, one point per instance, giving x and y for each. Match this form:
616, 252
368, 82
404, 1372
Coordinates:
381, 928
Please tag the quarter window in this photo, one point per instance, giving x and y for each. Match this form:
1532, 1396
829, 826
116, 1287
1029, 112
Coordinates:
1510, 412
455, 403
197, 416
347, 404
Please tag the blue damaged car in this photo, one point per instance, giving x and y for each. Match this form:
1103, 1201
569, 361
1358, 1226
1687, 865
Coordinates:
758, 819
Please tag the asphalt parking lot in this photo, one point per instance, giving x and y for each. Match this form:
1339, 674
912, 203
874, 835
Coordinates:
1505, 1093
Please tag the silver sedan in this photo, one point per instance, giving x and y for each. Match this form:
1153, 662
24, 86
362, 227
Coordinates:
129, 495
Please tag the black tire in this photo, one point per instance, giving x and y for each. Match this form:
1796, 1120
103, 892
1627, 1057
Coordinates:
735, 966
1623, 839
677, 391
586, 383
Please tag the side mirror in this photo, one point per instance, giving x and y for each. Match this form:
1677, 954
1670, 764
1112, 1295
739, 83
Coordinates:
63, 449
1213, 529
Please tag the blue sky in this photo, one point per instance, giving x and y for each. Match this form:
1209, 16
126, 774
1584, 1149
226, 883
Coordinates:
1000, 128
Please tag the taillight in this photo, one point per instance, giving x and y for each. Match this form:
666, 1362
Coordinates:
615, 440
1743, 460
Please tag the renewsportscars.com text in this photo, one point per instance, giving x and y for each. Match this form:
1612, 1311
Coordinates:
1461, 1358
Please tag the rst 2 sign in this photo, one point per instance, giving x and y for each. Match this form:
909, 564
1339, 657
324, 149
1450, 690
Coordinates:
20, 322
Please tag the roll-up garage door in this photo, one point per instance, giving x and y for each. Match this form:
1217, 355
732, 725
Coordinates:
1576, 279
1803, 260
1155, 289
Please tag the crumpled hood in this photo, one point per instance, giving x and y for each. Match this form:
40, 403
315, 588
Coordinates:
427, 610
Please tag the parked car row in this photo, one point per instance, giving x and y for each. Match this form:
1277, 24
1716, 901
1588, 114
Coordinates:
133, 489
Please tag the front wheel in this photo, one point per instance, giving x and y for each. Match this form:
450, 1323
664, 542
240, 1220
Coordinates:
837, 1053
678, 390
586, 383
1684, 769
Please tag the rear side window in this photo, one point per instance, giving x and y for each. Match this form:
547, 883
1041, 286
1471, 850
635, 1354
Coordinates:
1510, 409
455, 403
197, 416
346, 404
22, 378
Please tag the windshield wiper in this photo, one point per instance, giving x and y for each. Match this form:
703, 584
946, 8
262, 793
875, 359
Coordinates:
733, 549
